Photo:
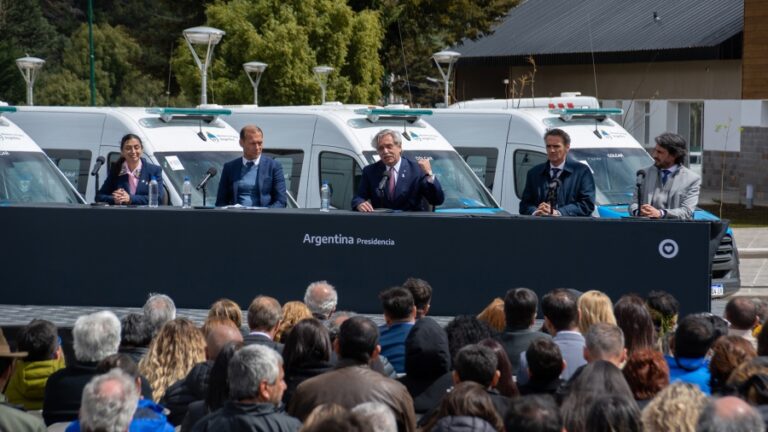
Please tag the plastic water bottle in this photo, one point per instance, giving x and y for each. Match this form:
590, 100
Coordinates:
325, 197
186, 194
154, 193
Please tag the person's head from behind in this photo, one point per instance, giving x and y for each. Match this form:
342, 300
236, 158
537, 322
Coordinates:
358, 340
218, 381
520, 308
421, 291
600, 377
728, 414
293, 312
594, 307
476, 363
545, 361
465, 330
335, 322
321, 413
264, 315
493, 315
728, 352
256, 373
136, 331
307, 343
159, 309
533, 413
344, 421
108, 402
125, 363
398, 305
741, 312
378, 415
558, 143
693, 337
560, 310
609, 413
226, 308
670, 150
321, 298
676, 407
40, 340
634, 319
664, 308
605, 341
96, 336
750, 381
469, 399
219, 335
646, 372
506, 384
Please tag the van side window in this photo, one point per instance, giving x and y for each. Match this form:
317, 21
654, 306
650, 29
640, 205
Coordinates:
343, 175
111, 159
73, 164
524, 161
291, 161
482, 161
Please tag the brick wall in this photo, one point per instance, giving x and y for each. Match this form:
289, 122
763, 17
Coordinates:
750, 165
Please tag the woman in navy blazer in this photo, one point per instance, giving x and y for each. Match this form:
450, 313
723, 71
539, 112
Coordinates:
129, 177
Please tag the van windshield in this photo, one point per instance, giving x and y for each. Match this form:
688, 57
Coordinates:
461, 186
614, 170
30, 177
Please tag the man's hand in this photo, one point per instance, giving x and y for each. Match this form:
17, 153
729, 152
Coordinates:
650, 211
542, 209
426, 167
365, 207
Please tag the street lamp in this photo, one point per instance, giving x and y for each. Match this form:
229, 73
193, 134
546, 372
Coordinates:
321, 75
449, 58
29, 68
208, 37
255, 68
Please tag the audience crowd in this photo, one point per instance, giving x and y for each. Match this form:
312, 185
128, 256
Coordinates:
594, 365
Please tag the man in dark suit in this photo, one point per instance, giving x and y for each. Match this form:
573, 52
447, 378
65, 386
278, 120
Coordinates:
252, 180
264, 316
396, 182
575, 193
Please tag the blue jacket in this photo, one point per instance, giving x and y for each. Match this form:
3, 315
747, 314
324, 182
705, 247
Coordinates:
693, 371
148, 417
392, 341
411, 190
575, 197
270, 191
113, 183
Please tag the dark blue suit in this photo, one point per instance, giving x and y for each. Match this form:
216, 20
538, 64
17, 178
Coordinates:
270, 184
575, 197
113, 183
411, 189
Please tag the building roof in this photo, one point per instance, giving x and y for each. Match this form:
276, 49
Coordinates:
540, 27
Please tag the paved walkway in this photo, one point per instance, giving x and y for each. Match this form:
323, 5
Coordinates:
753, 252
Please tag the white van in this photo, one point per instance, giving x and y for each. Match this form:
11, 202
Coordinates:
184, 142
332, 143
27, 175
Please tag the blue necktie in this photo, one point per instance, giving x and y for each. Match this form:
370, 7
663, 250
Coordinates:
554, 173
664, 176
249, 165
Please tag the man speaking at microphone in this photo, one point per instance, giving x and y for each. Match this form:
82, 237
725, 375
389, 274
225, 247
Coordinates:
252, 180
561, 181
669, 189
396, 182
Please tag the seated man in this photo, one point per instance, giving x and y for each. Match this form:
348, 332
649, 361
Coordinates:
11, 417
264, 316
400, 316
693, 337
544, 367
396, 182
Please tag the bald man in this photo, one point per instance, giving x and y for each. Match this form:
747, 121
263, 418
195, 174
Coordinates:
729, 414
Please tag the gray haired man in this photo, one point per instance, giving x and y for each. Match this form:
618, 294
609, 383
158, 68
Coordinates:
108, 402
159, 309
321, 298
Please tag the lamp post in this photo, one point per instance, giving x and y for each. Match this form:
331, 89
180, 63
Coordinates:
255, 68
449, 58
208, 37
29, 68
321, 75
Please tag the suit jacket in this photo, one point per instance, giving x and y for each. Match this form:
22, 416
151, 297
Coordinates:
263, 340
575, 196
571, 346
678, 197
411, 189
517, 341
270, 181
113, 183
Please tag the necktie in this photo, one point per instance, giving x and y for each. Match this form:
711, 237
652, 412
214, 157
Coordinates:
249, 164
664, 176
555, 172
391, 184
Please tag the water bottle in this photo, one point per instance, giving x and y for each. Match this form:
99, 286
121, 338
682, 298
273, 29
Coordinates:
325, 197
154, 193
186, 194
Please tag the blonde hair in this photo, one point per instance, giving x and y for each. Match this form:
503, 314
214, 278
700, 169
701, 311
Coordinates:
493, 314
676, 408
226, 308
178, 346
293, 312
594, 307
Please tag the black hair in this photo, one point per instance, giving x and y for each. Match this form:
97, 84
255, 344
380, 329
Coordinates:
610, 413
674, 144
218, 381
307, 342
544, 360
520, 308
117, 165
663, 302
693, 337
135, 330
560, 307
358, 338
635, 321
397, 303
421, 291
464, 330
559, 133
120, 361
741, 312
476, 363
533, 413
39, 339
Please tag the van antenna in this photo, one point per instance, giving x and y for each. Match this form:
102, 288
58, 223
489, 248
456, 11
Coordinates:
405, 65
200, 132
592, 51
170, 70
596, 131
405, 130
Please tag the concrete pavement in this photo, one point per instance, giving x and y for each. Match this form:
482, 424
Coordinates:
753, 253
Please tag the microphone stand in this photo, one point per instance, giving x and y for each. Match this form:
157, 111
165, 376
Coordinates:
205, 186
96, 187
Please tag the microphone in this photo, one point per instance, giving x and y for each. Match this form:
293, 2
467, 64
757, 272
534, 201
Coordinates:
97, 165
208, 175
383, 182
640, 177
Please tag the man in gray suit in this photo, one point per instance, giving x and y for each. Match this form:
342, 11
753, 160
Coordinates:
670, 190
